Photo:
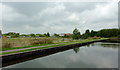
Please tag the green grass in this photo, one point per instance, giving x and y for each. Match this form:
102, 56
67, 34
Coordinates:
65, 43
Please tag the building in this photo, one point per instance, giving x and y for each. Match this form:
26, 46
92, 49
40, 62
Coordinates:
63, 34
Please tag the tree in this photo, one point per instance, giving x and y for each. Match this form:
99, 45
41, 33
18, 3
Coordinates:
93, 33
32, 35
56, 35
12, 34
40, 35
86, 34
0, 32
76, 34
48, 34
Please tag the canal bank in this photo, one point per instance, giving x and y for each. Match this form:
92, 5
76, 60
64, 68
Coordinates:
23, 56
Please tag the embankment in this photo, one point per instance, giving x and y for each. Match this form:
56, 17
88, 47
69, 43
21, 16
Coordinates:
24, 56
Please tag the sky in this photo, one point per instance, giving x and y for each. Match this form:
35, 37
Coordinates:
57, 17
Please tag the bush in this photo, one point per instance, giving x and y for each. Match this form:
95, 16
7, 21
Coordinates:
6, 45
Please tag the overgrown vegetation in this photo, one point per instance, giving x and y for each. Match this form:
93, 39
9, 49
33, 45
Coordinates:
21, 42
107, 33
59, 44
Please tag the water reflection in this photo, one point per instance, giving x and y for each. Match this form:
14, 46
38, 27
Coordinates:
88, 45
76, 50
107, 45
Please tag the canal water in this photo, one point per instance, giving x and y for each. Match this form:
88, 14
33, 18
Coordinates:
96, 55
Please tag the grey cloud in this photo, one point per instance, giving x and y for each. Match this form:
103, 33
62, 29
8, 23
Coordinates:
81, 6
59, 17
29, 8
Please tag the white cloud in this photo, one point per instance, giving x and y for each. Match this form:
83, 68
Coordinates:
73, 17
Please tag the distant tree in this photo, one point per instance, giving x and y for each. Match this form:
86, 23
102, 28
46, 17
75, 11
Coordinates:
118, 36
108, 32
76, 34
40, 35
56, 35
93, 33
24, 35
32, 35
66, 36
86, 34
48, 34
12, 34
45, 34
0, 32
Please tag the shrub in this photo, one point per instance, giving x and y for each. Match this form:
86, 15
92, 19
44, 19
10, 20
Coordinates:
7, 45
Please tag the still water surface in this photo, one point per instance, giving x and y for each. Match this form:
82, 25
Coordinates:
97, 55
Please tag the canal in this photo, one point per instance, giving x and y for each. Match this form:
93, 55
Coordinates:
96, 55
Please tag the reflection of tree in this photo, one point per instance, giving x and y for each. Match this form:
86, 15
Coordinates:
88, 45
76, 50
110, 45
107, 45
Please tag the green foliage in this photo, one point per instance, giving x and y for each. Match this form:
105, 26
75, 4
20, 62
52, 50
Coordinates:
40, 35
11, 34
118, 36
48, 34
32, 35
66, 36
108, 32
102, 33
24, 35
86, 34
0, 32
76, 34
56, 35
93, 33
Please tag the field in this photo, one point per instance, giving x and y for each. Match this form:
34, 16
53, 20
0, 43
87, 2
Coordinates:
36, 43
8, 43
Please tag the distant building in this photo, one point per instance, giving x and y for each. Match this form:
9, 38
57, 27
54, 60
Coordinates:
23, 36
63, 34
4, 36
37, 36
8, 36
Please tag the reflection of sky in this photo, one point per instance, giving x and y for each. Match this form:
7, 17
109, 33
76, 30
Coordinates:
88, 57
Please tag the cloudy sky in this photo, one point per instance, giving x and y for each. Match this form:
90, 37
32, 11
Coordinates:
58, 17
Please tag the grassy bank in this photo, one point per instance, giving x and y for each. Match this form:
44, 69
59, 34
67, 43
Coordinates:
58, 44
18, 43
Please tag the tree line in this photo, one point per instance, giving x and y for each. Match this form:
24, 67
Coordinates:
107, 33
76, 34
14, 35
